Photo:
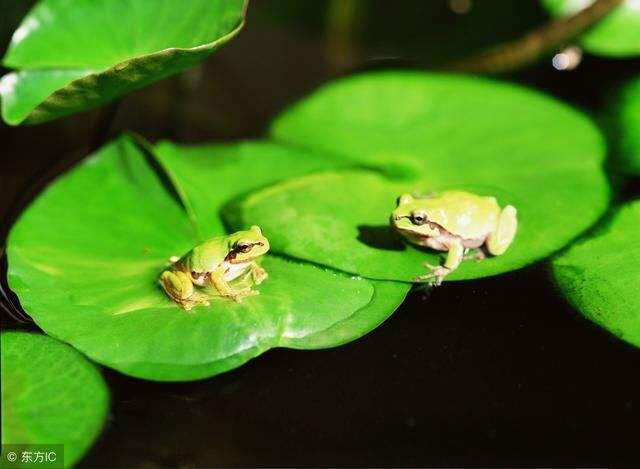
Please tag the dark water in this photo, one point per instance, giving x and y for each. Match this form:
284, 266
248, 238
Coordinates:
499, 371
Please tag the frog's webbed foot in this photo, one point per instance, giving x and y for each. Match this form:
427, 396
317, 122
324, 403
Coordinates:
435, 277
178, 286
258, 274
239, 295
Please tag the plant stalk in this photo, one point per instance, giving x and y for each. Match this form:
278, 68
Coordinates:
549, 37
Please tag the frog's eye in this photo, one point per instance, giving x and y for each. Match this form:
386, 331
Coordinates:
243, 247
418, 218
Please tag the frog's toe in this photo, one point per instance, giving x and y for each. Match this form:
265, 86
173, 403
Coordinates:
436, 276
259, 275
430, 279
239, 295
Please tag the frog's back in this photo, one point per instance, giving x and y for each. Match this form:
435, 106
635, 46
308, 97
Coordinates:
205, 257
464, 214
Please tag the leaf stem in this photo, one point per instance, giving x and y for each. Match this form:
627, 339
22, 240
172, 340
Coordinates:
341, 21
551, 36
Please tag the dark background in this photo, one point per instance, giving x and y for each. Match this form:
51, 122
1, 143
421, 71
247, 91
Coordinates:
498, 371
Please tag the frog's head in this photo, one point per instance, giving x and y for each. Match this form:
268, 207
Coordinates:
411, 219
246, 245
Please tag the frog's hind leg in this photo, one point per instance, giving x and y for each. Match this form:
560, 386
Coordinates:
502, 237
178, 286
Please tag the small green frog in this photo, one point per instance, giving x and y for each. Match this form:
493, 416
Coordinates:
454, 221
212, 265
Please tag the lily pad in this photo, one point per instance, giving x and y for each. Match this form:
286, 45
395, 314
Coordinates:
51, 395
73, 56
209, 175
84, 260
626, 115
601, 274
238, 169
445, 132
437, 126
616, 35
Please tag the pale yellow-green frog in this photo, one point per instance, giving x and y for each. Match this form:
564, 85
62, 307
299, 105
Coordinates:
454, 221
207, 269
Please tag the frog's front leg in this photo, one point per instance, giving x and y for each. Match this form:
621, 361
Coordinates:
179, 287
224, 289
454, 258
258, 274
499, 240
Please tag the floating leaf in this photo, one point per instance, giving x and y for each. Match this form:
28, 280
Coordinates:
616, 35
50, 395
242, 167
446, 132
73, 56
209, 175
600, 275
387, 297
85, 258
441, 125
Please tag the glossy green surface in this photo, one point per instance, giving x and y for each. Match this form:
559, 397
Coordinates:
50, 395
600, 275
387, 297
626, 114
241, 168
72, 56
438, 132
209, 176
84, 260
616, 35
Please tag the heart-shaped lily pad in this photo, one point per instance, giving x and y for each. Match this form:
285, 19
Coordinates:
51, 395
601, 274
73, 56
449, 132
626, 114
209, 175
240, 168
85, 258
617, 34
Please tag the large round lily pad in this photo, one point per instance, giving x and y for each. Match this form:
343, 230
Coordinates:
616, 35
84, 260
601, 274
438, 132
51, 395
72, 56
